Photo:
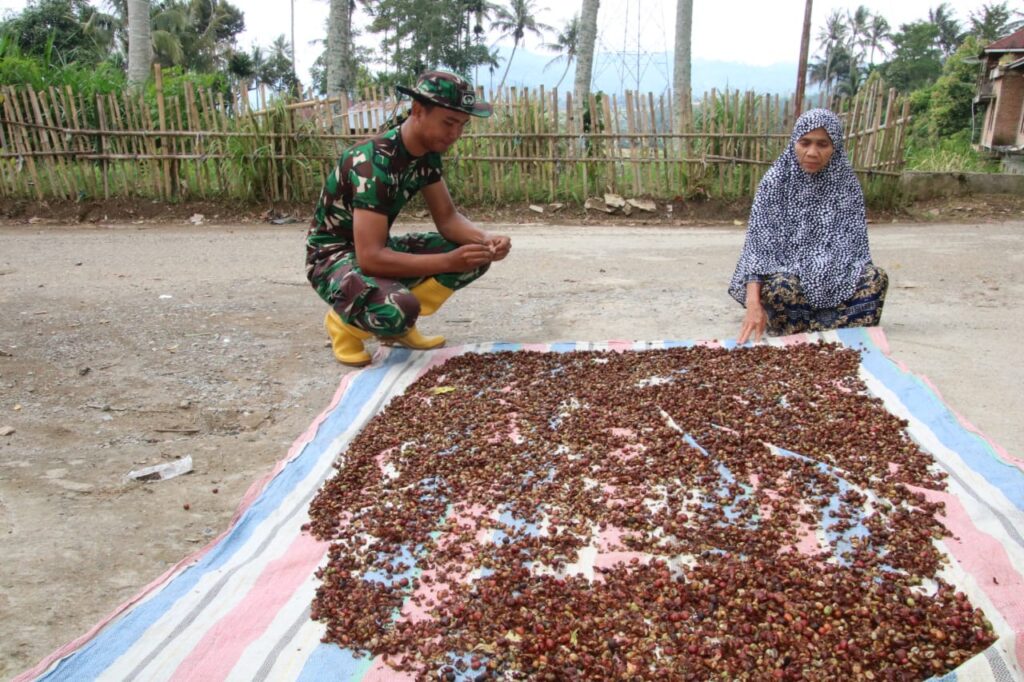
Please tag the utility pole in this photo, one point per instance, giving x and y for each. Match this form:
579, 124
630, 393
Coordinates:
294, 73
801, 71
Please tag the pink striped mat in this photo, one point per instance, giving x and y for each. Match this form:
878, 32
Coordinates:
239, 608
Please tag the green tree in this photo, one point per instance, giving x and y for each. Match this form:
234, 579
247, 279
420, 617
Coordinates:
858, 25
916, 59
242, 65
515, 21
275, 70
949, 103
566, 44
209, 38
950, 33
198, 35
64, 30
840, 75
878, 35
993, 21
422, 34
475, 13
830, 38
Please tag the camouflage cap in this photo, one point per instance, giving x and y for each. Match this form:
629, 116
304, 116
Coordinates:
447, 90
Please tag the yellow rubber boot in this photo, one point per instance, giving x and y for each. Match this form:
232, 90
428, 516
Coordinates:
431, 294
346, 341
412, 339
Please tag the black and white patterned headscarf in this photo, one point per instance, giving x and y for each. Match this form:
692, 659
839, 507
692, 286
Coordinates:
812, 225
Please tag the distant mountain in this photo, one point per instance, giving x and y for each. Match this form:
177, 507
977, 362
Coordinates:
614, 73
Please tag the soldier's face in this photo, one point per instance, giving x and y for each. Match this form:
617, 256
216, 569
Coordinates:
440, 128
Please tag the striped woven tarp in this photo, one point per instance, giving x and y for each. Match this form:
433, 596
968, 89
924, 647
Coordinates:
239, 608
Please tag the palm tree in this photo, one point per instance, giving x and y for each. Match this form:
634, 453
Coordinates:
166, 24
878, 34
949, 28
681, 63
858, 22
515, 21
566, 44
102, 29
585, 56
831, 37
140, 45
339, 47
993, 22
826, 71
477, 12
168, 27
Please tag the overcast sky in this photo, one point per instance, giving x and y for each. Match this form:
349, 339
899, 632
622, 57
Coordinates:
750, 31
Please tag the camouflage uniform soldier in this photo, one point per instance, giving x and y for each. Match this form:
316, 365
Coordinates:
377, 284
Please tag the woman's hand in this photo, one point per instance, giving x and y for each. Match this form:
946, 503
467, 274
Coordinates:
754, 322
756, 318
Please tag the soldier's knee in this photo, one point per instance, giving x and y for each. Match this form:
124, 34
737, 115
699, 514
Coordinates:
409, 306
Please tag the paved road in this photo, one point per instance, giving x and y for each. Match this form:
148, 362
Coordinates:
124, 346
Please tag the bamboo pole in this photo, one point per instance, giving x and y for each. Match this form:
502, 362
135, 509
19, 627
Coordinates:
78, 100
19, 140
652, 180
869, 162
181, 145
573, 144
31, 104
60, 114
202, 171
630, 129
155, 146
518, 122
134, 186
82, 144
719, 147
853, 147
758, 145
168, 187
210, 114
5, 189
606, 114
888, 132
551, 143
666, 171
21, 107
902, 139
42, 106
536, 151
135, 122
496, 171
101, 112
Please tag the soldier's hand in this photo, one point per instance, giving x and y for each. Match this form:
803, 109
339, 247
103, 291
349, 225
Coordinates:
500, 246
470, 256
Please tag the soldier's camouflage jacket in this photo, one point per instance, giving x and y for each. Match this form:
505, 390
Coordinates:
378, 175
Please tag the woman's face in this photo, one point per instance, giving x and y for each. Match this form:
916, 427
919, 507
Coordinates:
814, 150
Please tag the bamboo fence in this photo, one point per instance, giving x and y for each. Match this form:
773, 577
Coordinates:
186, 144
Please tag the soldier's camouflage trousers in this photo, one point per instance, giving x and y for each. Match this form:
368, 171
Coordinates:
381, 306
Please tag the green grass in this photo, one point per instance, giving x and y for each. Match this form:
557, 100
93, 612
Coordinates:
948, 155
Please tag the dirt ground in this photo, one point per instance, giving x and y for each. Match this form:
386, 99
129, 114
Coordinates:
126, 344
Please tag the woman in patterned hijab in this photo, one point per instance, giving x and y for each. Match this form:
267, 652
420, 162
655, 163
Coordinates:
805, 264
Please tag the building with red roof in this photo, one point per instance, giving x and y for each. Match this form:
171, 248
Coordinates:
1001, 92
